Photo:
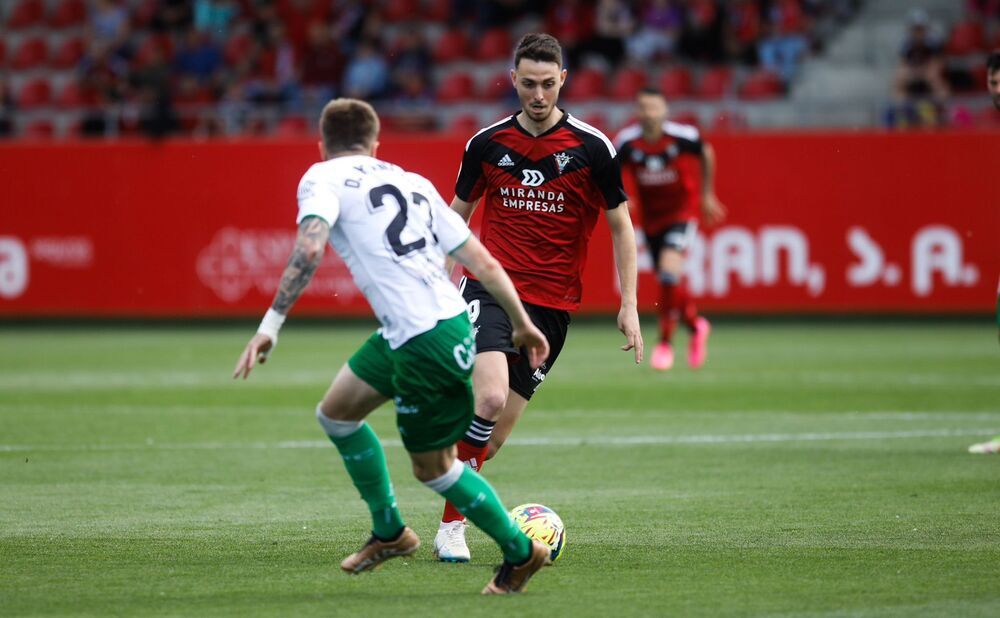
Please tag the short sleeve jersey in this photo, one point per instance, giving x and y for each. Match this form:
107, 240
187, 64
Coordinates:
667, 173
541, 197
392, 229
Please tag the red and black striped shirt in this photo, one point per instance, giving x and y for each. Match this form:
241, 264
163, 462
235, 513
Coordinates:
541, 198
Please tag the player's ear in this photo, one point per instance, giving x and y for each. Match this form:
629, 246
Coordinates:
562, 77
375, 146
322, 150
513, 77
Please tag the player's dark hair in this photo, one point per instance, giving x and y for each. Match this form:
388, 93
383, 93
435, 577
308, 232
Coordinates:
651, 91
539, 47
348, 124
993, 61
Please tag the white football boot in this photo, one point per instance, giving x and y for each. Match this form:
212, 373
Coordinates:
449, 543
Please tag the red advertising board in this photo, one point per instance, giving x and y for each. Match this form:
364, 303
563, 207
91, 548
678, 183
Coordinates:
833, 222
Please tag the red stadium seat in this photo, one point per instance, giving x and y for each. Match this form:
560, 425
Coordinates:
762, 85
457, 86
675, 83
399, 10
498, 86
36, 93
73, 96
291, 126
585, 84
32, 53
966, 38
597, 120
494, 45
68, 13
627, 83
729, 120
437, 10
3, 52
39, 129
143, 13
451, 46
26, 14
464, 124
714, 83
69, 53
236, 48
690, 118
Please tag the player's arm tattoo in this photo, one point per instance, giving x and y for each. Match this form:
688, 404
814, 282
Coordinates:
302, 264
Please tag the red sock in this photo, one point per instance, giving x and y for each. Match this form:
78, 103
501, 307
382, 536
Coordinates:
475, 457
668, 310
685, 305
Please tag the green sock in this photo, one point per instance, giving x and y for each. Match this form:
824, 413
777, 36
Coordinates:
477, 500
365, 463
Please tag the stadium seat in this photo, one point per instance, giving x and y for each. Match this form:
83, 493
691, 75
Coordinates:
451, 46
966, 38
73, 96
3, 52
68, 54
35, 93
143, 13
686, 117
627, 83
675, 83
26, 14
39, 129
714, 83
291, 126
464, 124
729, 120
394, 11
761, 85
68, 13
597, 120
438, 10
494, 45
32, 53
458, 86
498, 86
585, 84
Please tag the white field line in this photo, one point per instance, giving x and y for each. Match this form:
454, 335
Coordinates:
600, 441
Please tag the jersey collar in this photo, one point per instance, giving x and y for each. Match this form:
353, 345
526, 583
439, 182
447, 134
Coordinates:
562, 122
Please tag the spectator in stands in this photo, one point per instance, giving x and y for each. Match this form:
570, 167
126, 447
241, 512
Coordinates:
784, 42
199, 56
613, 23
743, 28
993, 77
660, 25
215, 16
702, 36
919, 87
103, 73
108, 23
367, 74
174, 16
572, 23
322, 65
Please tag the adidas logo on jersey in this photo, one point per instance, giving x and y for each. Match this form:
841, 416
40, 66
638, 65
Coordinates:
506, 161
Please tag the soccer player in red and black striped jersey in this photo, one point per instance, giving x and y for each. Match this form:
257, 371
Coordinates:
543, 178
674, 170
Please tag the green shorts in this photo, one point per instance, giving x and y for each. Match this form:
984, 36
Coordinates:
429, 378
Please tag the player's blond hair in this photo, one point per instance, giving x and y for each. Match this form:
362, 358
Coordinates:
348, 124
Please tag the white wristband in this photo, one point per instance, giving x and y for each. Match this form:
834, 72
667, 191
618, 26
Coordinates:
270, 325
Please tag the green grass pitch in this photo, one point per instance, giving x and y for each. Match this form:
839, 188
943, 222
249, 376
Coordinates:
808, 469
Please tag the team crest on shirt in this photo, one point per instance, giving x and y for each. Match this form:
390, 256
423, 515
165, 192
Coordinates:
654, 164
562, 160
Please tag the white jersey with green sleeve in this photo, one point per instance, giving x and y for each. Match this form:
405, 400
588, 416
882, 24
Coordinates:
392, 229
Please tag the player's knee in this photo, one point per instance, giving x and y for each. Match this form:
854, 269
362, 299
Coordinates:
490, 403
425, 470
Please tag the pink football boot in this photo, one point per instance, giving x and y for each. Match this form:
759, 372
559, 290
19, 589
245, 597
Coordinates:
698, 346
663, 356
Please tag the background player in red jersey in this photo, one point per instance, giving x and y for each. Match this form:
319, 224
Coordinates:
674, 170
543, 178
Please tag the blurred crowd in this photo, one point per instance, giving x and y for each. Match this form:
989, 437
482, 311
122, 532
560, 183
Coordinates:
939, 64
163, 63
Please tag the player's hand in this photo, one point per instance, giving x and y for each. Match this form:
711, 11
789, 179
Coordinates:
534, 342
713, 212
256, 351
628, 323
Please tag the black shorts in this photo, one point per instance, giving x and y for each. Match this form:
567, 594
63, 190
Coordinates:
677, 236
493, 334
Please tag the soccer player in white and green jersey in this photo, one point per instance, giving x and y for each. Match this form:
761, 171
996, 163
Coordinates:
393, 230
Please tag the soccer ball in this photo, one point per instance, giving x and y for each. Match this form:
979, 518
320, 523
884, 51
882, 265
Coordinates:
541, 523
